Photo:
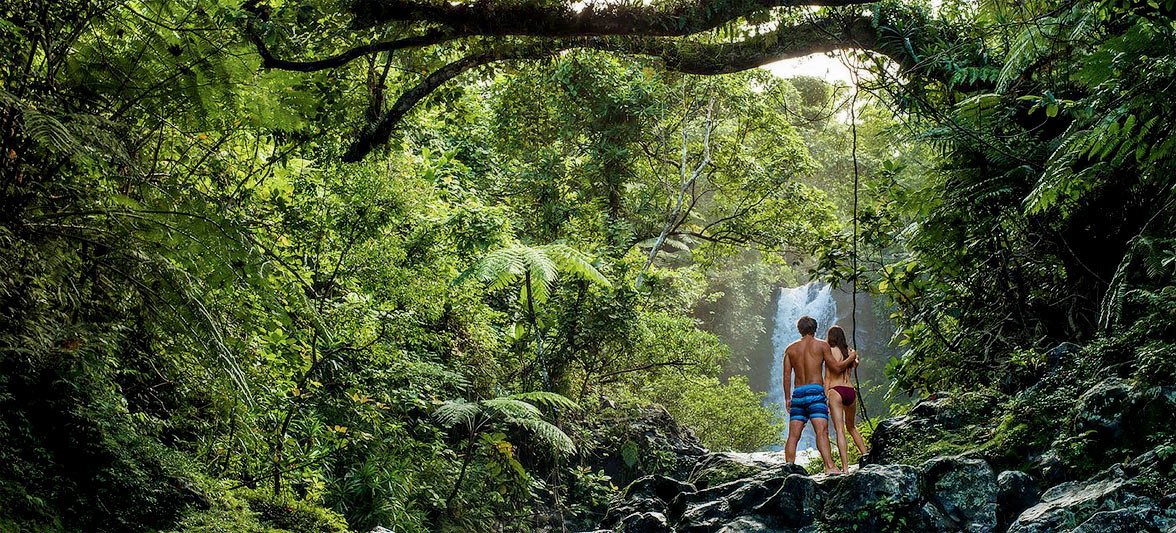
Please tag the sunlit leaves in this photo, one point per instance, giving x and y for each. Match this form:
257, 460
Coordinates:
541, 266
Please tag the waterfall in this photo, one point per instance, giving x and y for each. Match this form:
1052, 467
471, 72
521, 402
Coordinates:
813, 299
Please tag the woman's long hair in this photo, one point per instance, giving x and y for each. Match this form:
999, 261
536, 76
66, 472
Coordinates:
836, 338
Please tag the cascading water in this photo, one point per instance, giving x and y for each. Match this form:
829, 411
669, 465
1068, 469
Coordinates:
828, 306
813, 299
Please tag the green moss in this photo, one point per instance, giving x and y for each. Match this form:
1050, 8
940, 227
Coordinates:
257, 511
295, 515
722, 473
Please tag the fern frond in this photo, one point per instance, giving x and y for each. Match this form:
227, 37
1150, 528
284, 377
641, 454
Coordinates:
542, 269
512, 409
975, 108
550, 435
505, 266
501, 267
971, 75
1059, 169
575, 262
49, 131
1039, 39
454, 412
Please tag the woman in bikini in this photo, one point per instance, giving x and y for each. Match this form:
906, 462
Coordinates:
842, 396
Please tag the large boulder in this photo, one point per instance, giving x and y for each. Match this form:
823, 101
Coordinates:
657, 486
708, 509
754, 524
1135, 519
649, 494
688, 500
900, 439
1050, 468
720, 467
647, 522
873, 498
1060, 354
1069, 504
1015, 492
1118, 412
796, 504
1096, 504
1102, 408
636, 442
964, 490
871, 483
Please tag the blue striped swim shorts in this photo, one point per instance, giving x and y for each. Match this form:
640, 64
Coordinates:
808, 401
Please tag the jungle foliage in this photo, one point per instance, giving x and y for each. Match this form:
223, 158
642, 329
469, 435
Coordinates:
210, 321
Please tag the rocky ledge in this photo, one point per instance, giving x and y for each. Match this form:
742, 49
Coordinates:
959, 493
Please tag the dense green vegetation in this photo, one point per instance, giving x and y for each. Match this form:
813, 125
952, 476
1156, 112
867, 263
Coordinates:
255, 278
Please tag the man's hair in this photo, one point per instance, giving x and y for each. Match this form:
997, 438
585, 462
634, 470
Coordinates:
807, 325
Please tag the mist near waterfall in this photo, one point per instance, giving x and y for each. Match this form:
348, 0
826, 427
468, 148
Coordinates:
830, 306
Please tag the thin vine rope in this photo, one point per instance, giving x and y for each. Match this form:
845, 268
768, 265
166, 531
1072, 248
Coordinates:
857, 385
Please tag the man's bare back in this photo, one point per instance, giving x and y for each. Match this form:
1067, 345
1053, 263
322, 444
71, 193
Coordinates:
806, 356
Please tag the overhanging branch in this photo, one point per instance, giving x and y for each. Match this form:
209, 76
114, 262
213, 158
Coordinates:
378, 133
594, 20
682, 56
268, 60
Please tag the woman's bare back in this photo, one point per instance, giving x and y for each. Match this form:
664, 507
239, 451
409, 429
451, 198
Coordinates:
832, 376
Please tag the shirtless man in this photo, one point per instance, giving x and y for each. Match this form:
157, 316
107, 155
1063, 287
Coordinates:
807, 402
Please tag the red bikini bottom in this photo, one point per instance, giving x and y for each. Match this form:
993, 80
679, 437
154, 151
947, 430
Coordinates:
848, 395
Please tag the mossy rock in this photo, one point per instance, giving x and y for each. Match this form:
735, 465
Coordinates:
719, 468
285, 512
258, 511
942, 424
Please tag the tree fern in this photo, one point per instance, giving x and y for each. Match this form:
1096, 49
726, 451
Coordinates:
516, 410
512, 409
454, 412
541, 264
550, 435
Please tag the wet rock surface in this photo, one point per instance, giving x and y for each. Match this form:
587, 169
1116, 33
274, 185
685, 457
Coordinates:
958, 493
1115, 409
964, 490
720, 467
938, 412
1130, 497
740, 492
1015, 492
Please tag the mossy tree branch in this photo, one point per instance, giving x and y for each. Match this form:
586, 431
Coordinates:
595, 19
525, 31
